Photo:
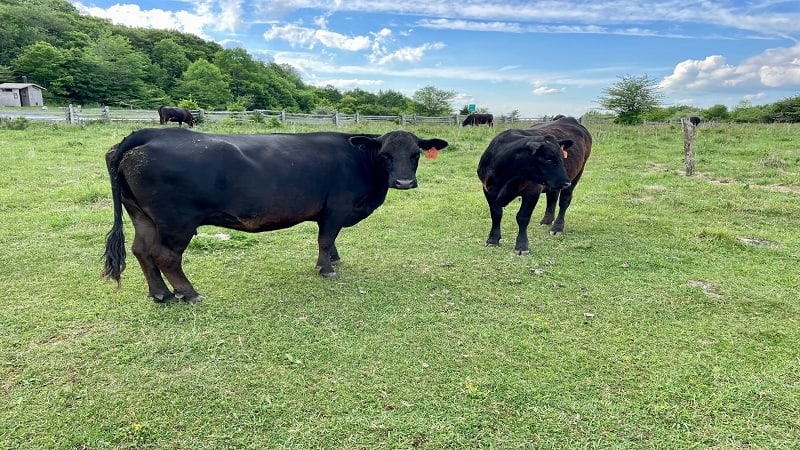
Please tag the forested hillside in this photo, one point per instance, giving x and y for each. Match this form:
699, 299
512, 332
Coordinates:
89, 61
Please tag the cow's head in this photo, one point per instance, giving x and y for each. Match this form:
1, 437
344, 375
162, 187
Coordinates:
398, 153
548, 161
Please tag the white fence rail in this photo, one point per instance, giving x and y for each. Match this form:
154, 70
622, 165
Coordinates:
78, 115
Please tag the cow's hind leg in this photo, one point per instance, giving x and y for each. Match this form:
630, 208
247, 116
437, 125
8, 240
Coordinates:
496, 213
143, 243
168, 256
523, 220
328, 254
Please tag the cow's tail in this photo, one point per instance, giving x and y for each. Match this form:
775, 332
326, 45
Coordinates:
114, 255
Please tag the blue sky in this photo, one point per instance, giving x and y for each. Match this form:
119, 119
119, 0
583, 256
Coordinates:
537, 57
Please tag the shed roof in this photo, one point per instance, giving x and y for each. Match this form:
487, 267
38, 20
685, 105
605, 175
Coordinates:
19, 86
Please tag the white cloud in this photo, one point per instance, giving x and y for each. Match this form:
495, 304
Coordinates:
133, 16
773, 68
349, 84
302, 36
405, 54
544, 90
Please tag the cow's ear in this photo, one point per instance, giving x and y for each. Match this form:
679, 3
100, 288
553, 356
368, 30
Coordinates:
365, 143
427, 144
565, 144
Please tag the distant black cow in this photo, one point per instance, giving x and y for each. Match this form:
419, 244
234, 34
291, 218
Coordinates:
180, 115
173, 181
479, 119
548, 157
695, 120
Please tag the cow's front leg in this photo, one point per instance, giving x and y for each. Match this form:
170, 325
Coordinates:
523, 220
563, 204
550, 211
328, 254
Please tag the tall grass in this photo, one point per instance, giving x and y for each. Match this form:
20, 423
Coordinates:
665, 317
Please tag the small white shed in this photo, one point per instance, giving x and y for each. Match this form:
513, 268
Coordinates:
21, 94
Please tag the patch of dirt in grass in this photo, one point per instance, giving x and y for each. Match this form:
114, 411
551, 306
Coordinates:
708, 288
756, 241
781, 187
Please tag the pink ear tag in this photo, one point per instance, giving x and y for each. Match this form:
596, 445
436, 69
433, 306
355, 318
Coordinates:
432, 153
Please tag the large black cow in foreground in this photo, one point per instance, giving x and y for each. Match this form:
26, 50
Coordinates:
548, 157
180, 115
172, 180
479, 119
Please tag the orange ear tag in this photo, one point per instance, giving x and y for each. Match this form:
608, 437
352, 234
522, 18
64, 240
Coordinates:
432, 153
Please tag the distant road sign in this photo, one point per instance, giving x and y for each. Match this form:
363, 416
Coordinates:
471, 107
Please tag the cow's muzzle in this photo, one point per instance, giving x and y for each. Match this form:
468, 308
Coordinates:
404, 184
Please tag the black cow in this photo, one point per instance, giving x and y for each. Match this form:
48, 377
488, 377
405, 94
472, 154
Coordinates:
695, 120
479, 119
180, 115
172, 181
548, 157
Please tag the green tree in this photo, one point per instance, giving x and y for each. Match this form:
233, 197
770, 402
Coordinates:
41, 62
6, 74
239, 69
121, 70
204, 82
171, 58
786, 110
717, 112
745, 112
431, 101
632, 98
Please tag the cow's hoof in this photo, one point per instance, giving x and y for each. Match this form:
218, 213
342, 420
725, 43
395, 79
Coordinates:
492, 244
163, 299
555, 232
194, 300
333, 274
522, 252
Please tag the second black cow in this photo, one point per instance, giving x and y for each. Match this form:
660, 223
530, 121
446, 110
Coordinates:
172, 181
479, 119
172, 114
546, 158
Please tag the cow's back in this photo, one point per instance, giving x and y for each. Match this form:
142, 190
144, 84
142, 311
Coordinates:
249, 182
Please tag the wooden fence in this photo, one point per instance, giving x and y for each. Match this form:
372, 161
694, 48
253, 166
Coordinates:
78, 115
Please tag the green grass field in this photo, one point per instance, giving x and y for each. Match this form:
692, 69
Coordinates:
665, 317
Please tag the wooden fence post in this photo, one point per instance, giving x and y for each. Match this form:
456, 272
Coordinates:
688, 146
72, 115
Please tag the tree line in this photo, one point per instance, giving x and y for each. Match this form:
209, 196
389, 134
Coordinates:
635, 99
89, 61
